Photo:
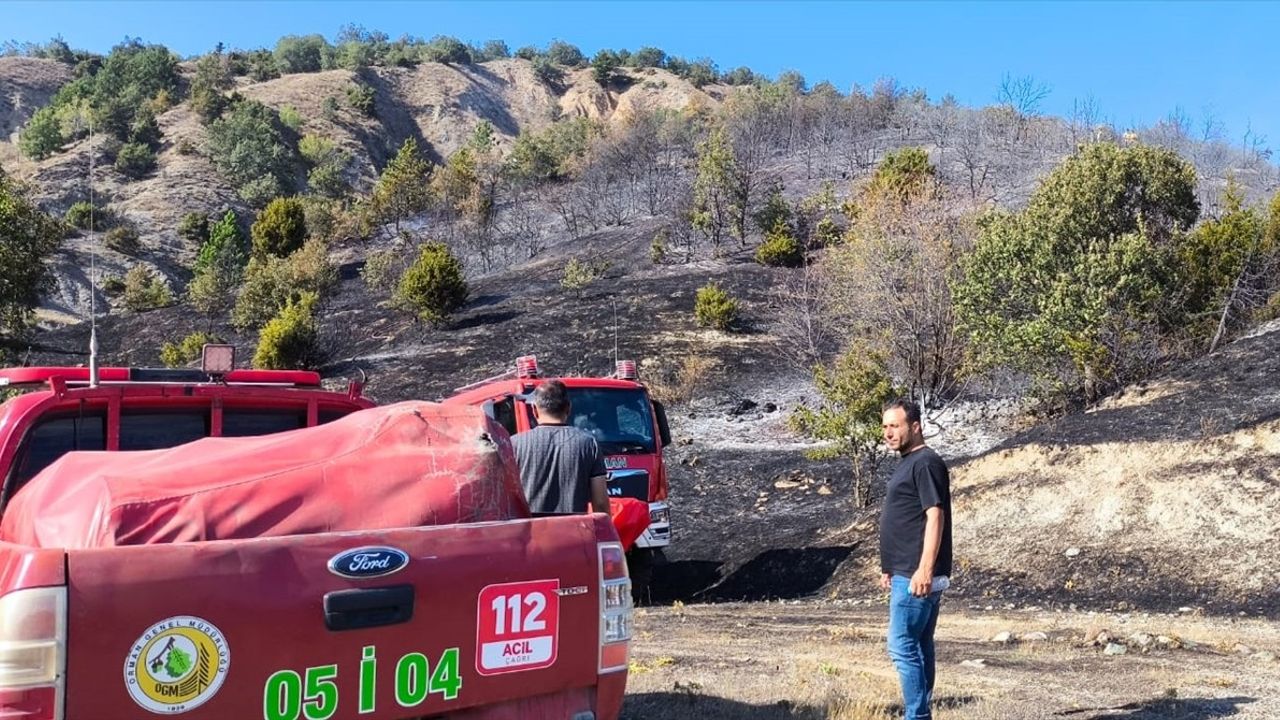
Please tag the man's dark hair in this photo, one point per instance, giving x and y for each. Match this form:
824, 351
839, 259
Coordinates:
552, 398
911, 409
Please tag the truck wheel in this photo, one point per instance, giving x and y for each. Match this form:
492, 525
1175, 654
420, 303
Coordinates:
640, 568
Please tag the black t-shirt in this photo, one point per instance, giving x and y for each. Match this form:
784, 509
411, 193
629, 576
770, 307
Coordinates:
921, 481
557, 463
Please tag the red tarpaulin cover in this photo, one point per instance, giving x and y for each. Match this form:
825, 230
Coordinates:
402, 465
630, 519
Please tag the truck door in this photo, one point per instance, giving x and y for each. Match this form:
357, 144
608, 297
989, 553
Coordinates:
381, 625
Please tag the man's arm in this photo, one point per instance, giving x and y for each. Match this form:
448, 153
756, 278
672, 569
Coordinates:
600, 493
922, 581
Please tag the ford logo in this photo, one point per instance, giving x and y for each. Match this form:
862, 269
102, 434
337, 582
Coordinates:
368, 562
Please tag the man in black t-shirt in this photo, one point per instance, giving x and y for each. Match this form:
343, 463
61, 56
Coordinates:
915, 553
561, 467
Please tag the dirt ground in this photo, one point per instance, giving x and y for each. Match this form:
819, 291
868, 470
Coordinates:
809, 660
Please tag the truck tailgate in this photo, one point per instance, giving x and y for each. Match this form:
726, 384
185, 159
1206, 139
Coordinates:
265, 628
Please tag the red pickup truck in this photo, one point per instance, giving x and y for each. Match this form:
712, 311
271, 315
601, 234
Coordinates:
508, 619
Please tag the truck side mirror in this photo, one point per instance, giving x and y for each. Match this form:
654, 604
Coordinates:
664, 428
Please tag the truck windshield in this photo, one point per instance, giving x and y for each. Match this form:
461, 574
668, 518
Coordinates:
620, 420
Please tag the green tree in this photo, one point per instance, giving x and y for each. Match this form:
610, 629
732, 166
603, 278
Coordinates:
303, 54
135, 160
363, 98
1074, 287
713, 206
491, 50
270, 282
28, 238
247, 145
328, 165
290, 339
780, 247
776, 210
212, 78
1227, 269
603, 66
447, 50
280, 228
194, 228
713, 307
433, 287
647, 57
144, 290
903, 175
563, 53
42, 135
403, 189
854, 390
547, 72
223, 236
185, 351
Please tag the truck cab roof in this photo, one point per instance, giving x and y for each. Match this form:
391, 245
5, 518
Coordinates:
148, 409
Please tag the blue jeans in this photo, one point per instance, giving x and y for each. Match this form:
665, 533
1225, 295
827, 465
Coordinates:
911, 624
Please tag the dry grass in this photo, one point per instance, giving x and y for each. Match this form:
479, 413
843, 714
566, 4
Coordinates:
680, 381
788, 661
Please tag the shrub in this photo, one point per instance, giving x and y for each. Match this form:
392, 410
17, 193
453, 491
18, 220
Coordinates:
42, 136
683, 382
329, 108
186, 147
270, 282
780, 248
144, 290
382, 269
260, 191
122, 239
658, 247
303, 54
578, 275
113, 285
247, 144
135, 160
194, 228
280, 228
361, 97
826, 233
714, 308
563, 53
547, 72
290, 116
433, 287
775, 210
80, 213
289, 340
185, 351
448, 50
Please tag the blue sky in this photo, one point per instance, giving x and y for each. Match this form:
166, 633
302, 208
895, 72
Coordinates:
1137, 60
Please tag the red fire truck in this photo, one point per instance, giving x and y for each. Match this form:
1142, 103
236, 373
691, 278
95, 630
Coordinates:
630, 427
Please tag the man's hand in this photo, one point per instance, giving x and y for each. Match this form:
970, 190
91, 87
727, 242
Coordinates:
884, 581
600, 494
922, 582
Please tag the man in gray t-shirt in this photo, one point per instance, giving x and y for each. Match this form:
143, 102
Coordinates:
561, 467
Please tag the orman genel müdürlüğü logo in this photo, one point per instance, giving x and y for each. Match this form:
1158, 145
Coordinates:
177, 665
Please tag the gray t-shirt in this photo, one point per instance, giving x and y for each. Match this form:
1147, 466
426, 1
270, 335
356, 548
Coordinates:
557, 463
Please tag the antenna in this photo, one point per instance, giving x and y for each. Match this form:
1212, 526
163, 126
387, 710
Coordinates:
93, 271
614, 299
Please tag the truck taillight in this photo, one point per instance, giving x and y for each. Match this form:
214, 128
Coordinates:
33, 653
615, 608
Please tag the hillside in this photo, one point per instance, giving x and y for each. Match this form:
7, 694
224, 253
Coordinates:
1161, 496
